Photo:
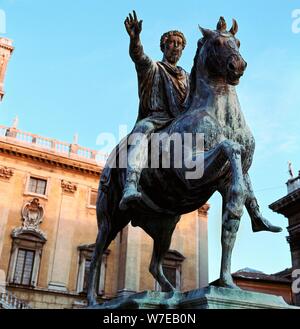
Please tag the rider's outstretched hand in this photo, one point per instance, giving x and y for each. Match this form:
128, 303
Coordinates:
133, 25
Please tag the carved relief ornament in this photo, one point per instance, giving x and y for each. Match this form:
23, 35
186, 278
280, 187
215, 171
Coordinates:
68, 186
6, 172
32, 216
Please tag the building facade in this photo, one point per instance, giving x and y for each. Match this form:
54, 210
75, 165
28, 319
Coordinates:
289, 206
6, 49
48, 227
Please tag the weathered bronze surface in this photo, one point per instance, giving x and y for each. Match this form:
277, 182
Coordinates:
211, 108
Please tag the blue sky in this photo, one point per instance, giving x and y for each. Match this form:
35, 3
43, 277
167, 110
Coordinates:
71, 73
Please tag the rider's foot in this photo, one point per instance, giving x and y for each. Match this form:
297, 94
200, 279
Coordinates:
130, 194
261, 224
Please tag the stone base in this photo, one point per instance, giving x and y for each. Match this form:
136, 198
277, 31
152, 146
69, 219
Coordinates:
206, 298
143, 300
224, 298
125, 293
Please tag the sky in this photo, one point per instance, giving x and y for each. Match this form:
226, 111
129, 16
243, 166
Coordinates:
71, 73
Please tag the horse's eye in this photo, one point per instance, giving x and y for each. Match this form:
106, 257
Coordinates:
238, 43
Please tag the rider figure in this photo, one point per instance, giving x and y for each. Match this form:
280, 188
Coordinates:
163, 91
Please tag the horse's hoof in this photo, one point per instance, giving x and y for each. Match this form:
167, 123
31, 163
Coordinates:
261, 224
92, 302
228, 283
229, 286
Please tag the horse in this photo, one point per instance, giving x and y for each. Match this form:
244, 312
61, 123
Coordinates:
213, 109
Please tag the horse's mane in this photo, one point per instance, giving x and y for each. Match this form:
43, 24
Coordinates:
194, 68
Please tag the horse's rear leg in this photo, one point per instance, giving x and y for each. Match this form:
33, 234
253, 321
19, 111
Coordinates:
103, 240
107, 231
162, 241
160, 248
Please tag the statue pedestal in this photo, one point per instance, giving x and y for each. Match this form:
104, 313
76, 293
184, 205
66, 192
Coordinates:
206, 298
224, 298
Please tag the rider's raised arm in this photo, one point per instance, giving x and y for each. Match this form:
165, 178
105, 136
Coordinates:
134, 28
137, 54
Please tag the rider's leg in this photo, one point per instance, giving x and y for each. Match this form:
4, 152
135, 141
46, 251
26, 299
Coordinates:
259, 223
137, 160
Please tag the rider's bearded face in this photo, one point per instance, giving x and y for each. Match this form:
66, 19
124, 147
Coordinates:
173, 49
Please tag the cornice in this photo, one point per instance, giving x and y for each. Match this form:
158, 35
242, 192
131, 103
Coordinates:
282, 206
8, 47
44, 156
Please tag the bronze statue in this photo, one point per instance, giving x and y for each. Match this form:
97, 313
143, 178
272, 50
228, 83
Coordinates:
212, 109
163, 90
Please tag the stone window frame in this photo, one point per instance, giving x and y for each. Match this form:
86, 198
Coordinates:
32, 241
89, 205
85, 252
173, 259
28, 193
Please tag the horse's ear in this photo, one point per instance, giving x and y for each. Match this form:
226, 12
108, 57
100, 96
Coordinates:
235, 27
206, 32
222, 26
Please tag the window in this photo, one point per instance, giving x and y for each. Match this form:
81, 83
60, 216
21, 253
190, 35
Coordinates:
172, 269
170, 273
93, 198
37, 186
85, 257
24, 267
25, 257
87, 264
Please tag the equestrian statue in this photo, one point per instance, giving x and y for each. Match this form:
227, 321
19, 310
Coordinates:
174, 103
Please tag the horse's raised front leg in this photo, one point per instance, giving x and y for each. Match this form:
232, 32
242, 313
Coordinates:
259, 223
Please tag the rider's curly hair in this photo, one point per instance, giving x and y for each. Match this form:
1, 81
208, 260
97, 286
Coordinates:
166, 35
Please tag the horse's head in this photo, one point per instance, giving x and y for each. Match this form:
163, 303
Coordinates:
220, 55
